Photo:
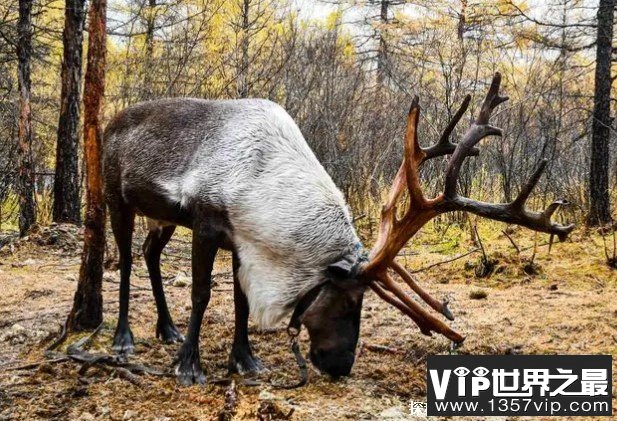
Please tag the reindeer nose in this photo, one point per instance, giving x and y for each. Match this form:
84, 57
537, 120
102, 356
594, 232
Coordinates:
334, 362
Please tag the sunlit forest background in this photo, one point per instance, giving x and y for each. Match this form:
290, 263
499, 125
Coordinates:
346, 72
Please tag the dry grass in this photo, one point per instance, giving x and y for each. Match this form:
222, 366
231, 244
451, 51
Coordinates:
568, 307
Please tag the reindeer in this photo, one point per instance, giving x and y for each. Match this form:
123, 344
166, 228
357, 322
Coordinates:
240, 175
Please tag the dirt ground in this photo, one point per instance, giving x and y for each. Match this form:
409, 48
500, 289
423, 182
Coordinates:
568, 306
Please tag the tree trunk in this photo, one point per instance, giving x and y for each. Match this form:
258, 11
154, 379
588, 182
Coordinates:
148, 91
67, 201
462, 21
599, 210
382, 52
25, 176
87, 312
243, 71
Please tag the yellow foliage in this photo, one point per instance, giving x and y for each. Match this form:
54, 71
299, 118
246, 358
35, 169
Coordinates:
334, 19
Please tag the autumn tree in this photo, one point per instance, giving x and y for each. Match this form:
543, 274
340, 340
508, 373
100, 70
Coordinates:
256, 62
66, 180
382, 51
25, 177
150, 19
599, 203
87, 311
569, 36
324, 67
378, 23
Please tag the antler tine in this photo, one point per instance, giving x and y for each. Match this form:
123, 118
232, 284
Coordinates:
521, 199
414, 154
562, 231
515, 211
412, 149
476, 132
445, 136
429, 321
531, 184
548, 212
383, 294
492, 100
407, 175
411, 131
444, 146
440, 307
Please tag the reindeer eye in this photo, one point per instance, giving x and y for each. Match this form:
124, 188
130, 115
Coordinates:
461, 371
480, 371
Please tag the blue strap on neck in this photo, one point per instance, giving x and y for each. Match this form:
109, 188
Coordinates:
362, 253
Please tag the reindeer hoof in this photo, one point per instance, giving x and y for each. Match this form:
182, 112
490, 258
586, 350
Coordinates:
168, 332
188, 367
245, 363
123, 343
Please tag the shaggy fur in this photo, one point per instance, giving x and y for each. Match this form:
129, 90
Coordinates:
170, 159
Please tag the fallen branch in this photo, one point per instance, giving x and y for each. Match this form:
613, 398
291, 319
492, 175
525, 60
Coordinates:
36, 364
443, 262
381, 349
120, 363
88, 360
128, 375
231, 401
484, 256
518, 250
63, 333
357, 218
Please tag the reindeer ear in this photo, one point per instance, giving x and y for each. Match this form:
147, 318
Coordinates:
342, 269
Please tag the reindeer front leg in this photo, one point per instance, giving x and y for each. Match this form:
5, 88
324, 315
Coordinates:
241, 359
206, 241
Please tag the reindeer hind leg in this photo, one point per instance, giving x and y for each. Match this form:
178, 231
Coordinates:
158, 237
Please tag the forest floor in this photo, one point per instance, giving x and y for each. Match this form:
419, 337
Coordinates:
566, 304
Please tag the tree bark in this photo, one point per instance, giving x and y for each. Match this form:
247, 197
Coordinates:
462, 21
382, 52
67, 202
25, 176
87, 312
599, 210
243, 71
148, 91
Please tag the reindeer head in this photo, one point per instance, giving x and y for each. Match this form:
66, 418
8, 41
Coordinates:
333, 316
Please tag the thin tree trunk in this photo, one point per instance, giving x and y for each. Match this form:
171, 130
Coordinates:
382, 52
148, 91
599, 211
243, 82
67, 202
87, 312
462, 21
25, 178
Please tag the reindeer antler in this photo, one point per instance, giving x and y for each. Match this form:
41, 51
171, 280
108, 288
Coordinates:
395, 232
